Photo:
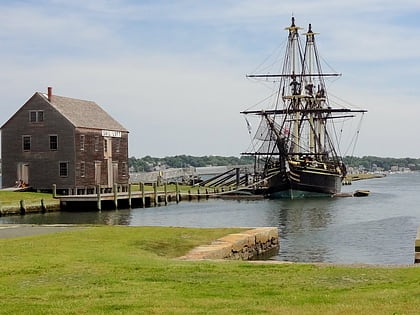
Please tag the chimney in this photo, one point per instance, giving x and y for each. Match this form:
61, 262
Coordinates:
49, 93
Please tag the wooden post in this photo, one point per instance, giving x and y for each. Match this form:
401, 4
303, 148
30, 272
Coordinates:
129, 195
43, 209
98, 199
189, 194
115, 188
165, 188
238, 177
155, 197
22, 206
198, 193
54, 190
143, 198
177, 192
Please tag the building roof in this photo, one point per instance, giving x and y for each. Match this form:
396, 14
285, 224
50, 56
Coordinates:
83, 114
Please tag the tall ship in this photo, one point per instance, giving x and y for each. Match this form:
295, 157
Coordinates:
295, 153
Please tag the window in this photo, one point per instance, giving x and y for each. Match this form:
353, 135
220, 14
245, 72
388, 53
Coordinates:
36, 116
82, 142
105, 145
26, 143
124, 169
96, 143
53, 142
32, 116
64, 169
82, 169
117, 144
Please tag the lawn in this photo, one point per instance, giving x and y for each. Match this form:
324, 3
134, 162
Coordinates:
12, 198
133, 270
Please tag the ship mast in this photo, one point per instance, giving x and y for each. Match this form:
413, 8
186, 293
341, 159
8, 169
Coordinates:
302, 119
295, 52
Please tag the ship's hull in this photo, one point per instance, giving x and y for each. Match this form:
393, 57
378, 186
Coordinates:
302, 182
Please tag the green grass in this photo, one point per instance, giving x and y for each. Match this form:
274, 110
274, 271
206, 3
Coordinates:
131, 270
12, 198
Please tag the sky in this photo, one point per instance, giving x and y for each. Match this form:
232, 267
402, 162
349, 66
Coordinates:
174, 72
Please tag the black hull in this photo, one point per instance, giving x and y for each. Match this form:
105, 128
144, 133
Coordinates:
302, 182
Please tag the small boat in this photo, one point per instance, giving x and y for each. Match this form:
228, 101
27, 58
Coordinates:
361, 193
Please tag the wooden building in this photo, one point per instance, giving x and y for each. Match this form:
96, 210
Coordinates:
64, 141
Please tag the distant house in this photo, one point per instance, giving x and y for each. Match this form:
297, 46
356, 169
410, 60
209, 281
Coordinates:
64, 141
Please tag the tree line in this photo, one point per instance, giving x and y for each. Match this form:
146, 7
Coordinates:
148, 163
385, 163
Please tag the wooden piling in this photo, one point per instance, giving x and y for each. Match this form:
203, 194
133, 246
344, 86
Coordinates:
98, 198
417, 247
155, 195
54, 187
129, 195
165, 189
22, 206
43, 209
143, 198
115, 189
177, 197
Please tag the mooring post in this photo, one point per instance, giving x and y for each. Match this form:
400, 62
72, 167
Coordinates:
54, 190
129, 195
115, 188
189, 194
143, 198
156, 198
22, 206
177, 192
43, 209
165, 188
98, 198
198, 193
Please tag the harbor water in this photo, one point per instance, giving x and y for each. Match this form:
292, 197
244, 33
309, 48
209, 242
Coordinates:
378, 229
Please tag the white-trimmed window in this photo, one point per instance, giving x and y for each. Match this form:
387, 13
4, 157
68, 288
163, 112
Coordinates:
26, 143
124, 169
96, 143
36, 116
63, 169
53, 142
82, 142
82, 169
117, 144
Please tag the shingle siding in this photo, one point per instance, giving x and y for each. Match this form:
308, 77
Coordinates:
42, 161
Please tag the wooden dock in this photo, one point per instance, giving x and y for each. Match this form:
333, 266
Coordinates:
124, 197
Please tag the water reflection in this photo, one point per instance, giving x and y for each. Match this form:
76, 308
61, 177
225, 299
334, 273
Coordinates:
299, 221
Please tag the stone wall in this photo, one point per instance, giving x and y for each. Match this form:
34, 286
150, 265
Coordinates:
240, 246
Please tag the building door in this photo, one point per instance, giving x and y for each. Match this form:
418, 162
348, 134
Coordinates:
23, 173
97, 173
